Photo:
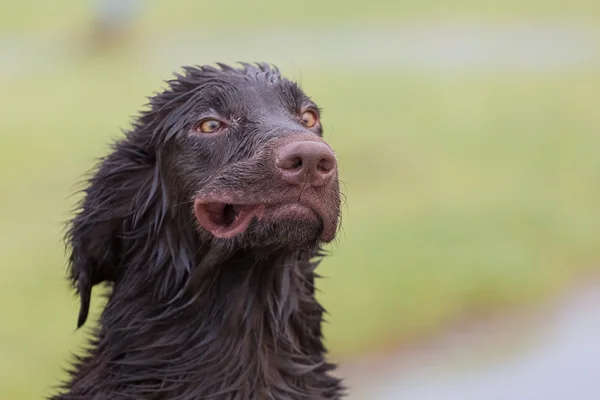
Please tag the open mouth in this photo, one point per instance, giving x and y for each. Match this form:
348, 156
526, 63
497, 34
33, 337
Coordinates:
226, 220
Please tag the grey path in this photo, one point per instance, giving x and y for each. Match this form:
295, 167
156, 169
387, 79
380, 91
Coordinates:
554, 356
431, 47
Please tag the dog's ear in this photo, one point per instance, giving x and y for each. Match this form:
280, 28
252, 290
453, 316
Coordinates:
97, 236
123, 218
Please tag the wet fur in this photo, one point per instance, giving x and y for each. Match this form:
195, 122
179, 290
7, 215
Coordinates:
189, 316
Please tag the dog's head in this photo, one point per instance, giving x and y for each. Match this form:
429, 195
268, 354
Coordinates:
225, 158
247, 148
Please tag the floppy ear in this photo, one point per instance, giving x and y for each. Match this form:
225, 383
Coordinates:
114, 198
123, 218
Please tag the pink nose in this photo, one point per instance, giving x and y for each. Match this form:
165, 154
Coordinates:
306, 162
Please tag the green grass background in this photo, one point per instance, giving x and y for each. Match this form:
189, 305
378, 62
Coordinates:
466, 193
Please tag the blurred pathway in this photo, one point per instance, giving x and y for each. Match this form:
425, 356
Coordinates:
439, 46
431, 47
550, 355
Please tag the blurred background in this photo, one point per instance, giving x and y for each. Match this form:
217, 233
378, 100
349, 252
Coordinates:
468, 134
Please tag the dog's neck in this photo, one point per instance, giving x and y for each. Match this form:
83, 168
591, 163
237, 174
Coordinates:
249, 328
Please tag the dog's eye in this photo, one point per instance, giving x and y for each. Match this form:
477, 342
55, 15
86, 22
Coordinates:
209, 125
310, 118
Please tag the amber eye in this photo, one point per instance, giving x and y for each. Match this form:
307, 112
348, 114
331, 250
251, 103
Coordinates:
209, 126
310, 118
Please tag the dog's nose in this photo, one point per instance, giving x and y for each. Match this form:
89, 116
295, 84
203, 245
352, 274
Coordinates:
306, 162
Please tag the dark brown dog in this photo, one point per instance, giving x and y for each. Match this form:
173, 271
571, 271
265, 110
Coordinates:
206, 220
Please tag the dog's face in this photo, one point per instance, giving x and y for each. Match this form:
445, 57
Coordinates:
249, 155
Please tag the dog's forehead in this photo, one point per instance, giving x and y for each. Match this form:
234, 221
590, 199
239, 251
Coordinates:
272, 90
256, 96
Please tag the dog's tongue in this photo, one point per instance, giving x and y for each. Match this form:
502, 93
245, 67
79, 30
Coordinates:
224, 220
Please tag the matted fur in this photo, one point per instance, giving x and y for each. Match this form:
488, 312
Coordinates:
190, 316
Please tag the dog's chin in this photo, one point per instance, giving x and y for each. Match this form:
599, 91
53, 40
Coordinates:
287, 233
269, 234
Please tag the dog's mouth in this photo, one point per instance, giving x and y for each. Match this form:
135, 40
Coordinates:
225, 220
